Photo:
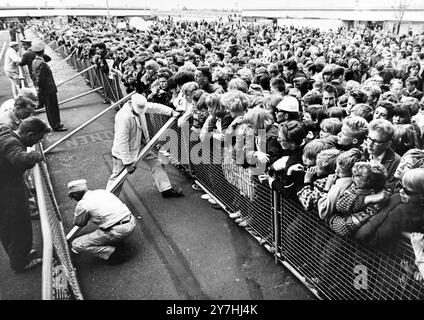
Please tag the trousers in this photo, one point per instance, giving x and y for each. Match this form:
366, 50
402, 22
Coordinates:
102, 243
15, 226
49, 101
151, 160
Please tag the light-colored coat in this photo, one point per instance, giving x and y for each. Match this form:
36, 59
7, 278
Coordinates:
131, 130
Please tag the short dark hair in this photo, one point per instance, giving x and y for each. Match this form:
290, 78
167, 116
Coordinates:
338, 71
34, 125
359, 96
182, 77
206, 72
330, 89
279, 83
293, 131
412, 80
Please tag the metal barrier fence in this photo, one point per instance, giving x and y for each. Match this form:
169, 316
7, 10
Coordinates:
59, 274
333, 267
95, 77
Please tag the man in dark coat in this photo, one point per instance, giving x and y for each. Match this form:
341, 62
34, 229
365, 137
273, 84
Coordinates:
15, 222
46, 88
29, 55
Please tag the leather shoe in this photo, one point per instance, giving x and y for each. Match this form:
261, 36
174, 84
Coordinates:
31, 265
172, 193
60, 129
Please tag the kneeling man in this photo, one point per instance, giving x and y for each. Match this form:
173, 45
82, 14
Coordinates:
113, 218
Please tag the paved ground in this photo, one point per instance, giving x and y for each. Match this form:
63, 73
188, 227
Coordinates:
183, 249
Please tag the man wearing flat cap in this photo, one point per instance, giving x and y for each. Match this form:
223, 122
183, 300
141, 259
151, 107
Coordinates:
11, 60
131, 135
29, 55
112, 217
43, 80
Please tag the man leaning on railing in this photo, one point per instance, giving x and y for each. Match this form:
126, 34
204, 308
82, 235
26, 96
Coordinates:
15, 222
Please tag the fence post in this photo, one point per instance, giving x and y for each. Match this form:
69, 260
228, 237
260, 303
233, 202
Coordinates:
276, 209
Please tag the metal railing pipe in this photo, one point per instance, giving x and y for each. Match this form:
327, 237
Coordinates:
76, 75
70, 134
46, 290
66, 59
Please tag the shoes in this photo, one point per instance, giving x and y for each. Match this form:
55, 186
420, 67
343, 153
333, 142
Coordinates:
35, 215
211, 201
243, 223
216, 206
196, 187
31, 265
33, 254
120, 255
205, 196
235, 215
269, 248
238, 220
172, 193
60, 128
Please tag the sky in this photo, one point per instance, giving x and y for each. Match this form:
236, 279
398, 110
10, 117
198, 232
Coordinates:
215, 4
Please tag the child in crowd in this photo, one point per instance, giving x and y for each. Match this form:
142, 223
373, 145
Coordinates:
338, 183
362, 199
316, 178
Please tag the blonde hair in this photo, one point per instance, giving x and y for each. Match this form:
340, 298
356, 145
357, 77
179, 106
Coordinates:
235, 101
258, 118
327, 160
375, 174
213, 102
189, 87
414, 181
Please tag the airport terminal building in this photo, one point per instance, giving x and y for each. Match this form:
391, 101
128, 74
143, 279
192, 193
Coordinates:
409, 15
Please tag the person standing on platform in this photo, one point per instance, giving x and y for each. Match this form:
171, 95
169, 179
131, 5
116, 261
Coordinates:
46, 88
15, 222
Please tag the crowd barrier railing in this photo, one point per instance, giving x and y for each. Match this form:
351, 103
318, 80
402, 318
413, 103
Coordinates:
331, 266
59, 281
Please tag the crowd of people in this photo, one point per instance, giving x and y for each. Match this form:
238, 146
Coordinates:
333, 120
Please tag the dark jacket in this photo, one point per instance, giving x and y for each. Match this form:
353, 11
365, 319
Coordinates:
14, 161
29, 57
387, 226
287, 185
42, 77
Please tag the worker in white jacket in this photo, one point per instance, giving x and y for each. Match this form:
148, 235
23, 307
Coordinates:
131, 135
11, 60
